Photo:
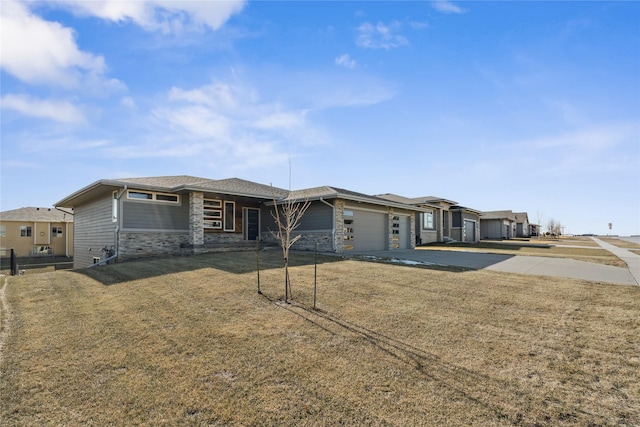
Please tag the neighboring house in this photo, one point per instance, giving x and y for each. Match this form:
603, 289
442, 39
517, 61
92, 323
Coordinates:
465, 224
36, 232
497, 225
522, 224
172, 215
441, 219
534, 230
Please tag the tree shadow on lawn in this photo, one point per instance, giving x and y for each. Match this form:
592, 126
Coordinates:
241, 262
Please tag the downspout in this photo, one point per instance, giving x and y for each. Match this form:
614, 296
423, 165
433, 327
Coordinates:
116, 233
333, 223
117, 230
66, 231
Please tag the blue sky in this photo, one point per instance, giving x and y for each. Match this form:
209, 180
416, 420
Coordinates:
528, 106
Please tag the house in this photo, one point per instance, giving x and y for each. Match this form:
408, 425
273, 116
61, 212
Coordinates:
441, 219
497, 225
341, 220
465, 224
34, 231
174, 215
523, 228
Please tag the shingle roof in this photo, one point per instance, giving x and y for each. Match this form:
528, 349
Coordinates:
234, 186
32, 214
506, 214
328, 192
522, 217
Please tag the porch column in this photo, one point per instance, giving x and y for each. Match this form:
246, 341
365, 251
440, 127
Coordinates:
196, 219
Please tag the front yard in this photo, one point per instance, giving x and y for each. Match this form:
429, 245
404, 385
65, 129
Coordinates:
189, 341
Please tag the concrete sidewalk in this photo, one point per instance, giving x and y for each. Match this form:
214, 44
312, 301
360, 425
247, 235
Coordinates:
632, 259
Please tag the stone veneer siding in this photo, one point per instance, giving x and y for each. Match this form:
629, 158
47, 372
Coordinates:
196, 219
339, 225
151, 243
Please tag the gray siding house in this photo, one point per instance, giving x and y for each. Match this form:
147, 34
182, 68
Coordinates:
523, 228
497, 225
178, 215
465, 224
441, 220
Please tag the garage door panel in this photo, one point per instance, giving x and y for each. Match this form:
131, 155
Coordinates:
369, 230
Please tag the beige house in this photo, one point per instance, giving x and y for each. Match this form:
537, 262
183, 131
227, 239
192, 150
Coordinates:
36, 232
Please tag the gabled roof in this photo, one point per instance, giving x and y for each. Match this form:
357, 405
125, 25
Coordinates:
466, 209
327, 192
418, 201
433, 199
32, 214
521, 217
498, 215
176, 184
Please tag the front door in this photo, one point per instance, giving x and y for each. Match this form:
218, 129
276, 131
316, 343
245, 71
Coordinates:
252, 224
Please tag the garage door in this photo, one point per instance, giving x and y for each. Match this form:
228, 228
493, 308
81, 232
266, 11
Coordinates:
368, 230
469, 231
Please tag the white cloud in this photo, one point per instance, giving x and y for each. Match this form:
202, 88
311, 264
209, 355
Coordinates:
446, 6
60, 111
167, 16
37, 51
380, 36
345, 61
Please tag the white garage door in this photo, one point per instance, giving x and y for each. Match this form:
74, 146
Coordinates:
369, 230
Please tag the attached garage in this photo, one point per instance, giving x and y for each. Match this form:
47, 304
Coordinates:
365, 230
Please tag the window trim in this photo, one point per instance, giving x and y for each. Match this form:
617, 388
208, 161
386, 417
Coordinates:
153, 197
3, 230
28, 231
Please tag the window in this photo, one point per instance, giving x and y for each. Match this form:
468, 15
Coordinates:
25, 231
212, 213
167, 198
3, 231
56, 231
140, 195
229, 216
149, 195
427, 221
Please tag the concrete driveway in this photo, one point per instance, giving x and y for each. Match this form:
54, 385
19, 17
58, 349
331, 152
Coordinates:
542, 266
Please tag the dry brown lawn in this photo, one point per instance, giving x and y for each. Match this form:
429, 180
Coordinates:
189, 341
621, 243
546, 248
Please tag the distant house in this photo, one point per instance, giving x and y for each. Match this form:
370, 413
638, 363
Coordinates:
173, 215
34, 231
523, 228
465, 224
497, 225
441, 219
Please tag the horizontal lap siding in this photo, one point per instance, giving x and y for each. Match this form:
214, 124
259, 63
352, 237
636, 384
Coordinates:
155, 216
93, 230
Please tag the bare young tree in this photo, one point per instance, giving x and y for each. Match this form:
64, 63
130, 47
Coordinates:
287, 215
554, 227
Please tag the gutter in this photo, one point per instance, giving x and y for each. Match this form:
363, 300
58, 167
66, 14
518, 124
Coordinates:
333, 226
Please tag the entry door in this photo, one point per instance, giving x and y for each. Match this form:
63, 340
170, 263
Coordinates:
251, 224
